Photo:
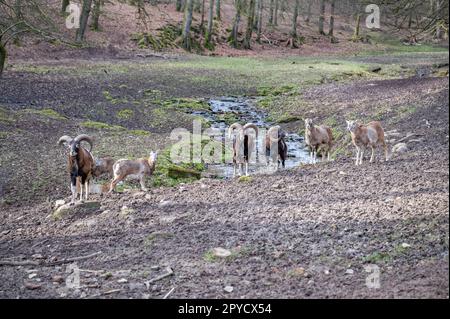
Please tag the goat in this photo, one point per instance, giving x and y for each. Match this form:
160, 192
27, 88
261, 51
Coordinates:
103, 166
318, 137
276, 147
137, 169
371, 134
243, 145
80, 163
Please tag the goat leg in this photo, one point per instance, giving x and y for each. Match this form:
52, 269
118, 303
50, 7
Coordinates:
357, 155
143, 188
372, 157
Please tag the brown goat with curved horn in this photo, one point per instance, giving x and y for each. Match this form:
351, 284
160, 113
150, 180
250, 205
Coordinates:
243, 145
80, 163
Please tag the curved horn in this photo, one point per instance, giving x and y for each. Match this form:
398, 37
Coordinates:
234, 126
249, 126
271, 131
85, 137
64, 139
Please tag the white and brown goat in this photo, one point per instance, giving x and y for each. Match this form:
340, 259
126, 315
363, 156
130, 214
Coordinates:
276, 147
369, 135
243, 145
136, 169
318, 138
80, 163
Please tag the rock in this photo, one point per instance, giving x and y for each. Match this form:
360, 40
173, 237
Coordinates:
32, 286
349, 271
400, 148
228, 289
31, 276
125, 211
221, 252
165, 203
155, 267
77, 208
122, 281
58, 279
405, 245
37, 256
181, 172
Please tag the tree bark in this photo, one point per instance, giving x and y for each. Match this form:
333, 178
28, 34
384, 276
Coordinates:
271, 9
322, 17
96, 14
248, 32
275, 13
218, 9
179, 5
64, 5
331, 31
186, 35
202, 21
308, 14
83, 20
358, 22
2, 58
260, 15
210, 22
294, 19
233, 39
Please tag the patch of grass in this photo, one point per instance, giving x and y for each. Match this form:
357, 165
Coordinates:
101, 126
244, 179
5, 117
3, 135
378, 257
187, 104
125, 114
50, 113
139, 132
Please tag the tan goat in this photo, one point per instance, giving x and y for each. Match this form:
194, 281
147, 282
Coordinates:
136, 169
243, 145
369, 135
318, 138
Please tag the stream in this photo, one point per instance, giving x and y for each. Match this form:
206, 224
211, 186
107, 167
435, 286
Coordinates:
244, 111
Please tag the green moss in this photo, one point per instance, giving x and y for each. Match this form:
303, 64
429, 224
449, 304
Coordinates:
187, 104
125, 114
5, 116
101, 126
3, 135
287, 118
139, 132
153, 237
274, 91
47, 113
244, 179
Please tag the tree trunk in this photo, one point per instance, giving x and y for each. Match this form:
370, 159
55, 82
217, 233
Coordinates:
189, 7
96, 14
83, 20
275, 13
233, 39
202, 21
271, 9
210, 23
308, 14
64, 5
218, 9
179, 5
248, 32
292, 42
322, 17
260, 15
331, 31
2, 58
358, 22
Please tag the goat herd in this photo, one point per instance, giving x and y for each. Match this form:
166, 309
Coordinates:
318, 138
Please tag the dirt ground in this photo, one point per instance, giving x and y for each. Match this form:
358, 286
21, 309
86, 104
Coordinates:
310, 232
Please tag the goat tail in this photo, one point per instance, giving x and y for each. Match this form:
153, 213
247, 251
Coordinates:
250, 126
234, 126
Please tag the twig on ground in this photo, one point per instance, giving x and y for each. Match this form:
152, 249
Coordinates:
46, 264
168, 294
169, 272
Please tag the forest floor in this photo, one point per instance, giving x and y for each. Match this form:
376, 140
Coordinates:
308, 232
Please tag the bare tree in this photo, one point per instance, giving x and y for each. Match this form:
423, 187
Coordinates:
332, 7
86, 9
210, 23
233, 38
218, 10
96, 11
250, 16
260, 21
292, 42
322, 17
186, 35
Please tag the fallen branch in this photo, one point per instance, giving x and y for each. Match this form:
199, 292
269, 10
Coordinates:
46, 264
169, 272
109, 292
168, 294
409, 136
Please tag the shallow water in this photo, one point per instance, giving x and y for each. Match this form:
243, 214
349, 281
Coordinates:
246, 112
